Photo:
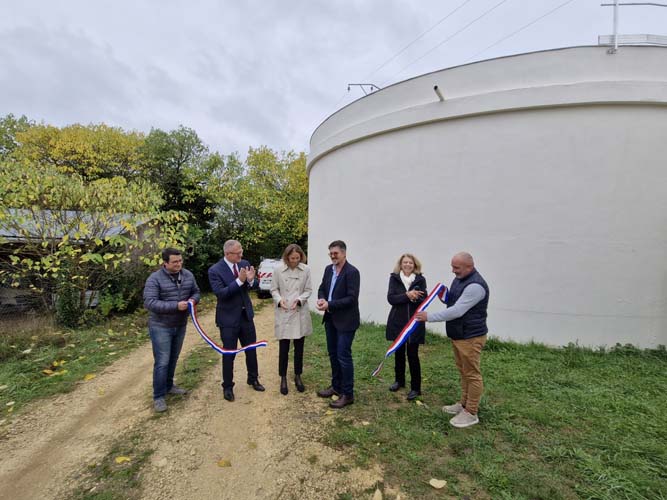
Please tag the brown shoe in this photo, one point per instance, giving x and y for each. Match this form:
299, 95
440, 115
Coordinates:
341, 402
327, 393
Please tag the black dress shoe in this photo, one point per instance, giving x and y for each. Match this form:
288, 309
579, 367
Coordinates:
257, 386
327, 393
341, 402
283, 386
413, 395
299, 384
229, 394
395, 386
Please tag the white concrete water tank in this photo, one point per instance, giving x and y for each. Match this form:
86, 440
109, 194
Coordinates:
550, 168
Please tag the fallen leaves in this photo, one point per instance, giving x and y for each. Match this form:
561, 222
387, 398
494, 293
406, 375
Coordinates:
89, 376
121, 459
223, 462
53, 370
55, 373
438, 484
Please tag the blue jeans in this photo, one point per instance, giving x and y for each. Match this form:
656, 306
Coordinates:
339, 345
167, 342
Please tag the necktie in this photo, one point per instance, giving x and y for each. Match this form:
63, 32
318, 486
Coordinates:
236, 271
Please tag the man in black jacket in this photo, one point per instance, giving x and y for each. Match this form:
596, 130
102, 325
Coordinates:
467, 301
166, 295
338, 298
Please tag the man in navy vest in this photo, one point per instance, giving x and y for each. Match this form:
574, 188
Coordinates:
467, 301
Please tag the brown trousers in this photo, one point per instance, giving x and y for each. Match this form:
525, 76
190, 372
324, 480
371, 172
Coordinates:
467, 355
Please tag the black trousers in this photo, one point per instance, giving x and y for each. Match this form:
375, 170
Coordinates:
244, 333
283, 356
413, 361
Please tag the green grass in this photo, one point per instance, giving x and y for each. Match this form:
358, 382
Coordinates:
26, 350
84, 351
196, 366
109, 480
555, 423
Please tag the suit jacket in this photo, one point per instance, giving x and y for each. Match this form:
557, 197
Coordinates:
233, 300
344, 304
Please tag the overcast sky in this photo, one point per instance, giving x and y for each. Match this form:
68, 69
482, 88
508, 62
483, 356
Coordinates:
249, 73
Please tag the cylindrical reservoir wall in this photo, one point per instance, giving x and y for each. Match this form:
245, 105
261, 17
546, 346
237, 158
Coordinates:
562, 204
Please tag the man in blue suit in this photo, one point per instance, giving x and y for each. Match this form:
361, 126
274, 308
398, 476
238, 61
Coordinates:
231, 278
338, 298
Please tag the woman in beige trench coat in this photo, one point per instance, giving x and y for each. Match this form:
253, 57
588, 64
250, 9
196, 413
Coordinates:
290, 288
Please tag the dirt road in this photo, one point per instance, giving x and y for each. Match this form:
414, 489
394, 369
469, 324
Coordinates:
272, 451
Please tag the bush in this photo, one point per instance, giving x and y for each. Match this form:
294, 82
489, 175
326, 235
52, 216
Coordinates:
68, 304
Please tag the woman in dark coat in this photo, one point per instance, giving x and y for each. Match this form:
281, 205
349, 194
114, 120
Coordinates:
407, 289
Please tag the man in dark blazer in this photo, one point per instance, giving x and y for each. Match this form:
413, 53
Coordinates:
230, 279
338, 298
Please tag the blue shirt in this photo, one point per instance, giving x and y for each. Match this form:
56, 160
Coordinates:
333, 282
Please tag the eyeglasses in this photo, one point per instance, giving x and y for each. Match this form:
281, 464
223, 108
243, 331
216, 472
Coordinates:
240, 252
334, 254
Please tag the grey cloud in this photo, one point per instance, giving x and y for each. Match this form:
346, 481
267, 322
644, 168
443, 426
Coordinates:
62, 72
253, 72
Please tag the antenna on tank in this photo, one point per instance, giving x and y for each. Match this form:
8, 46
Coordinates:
371, 87
629, 39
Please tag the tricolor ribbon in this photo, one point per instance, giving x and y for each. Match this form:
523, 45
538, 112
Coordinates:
193, 314
440, 291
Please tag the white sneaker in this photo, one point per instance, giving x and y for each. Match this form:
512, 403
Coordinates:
464, 419
454, 409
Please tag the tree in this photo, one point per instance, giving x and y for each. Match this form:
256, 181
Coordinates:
90, 151
75, 238
267, 205
194, 181
185, 170
9, 127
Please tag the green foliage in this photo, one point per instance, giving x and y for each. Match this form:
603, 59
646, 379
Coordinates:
554, 423
10, 126
197, 182
67, 188
69, 306
90, 151
80, 234
267, 209
188, 175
